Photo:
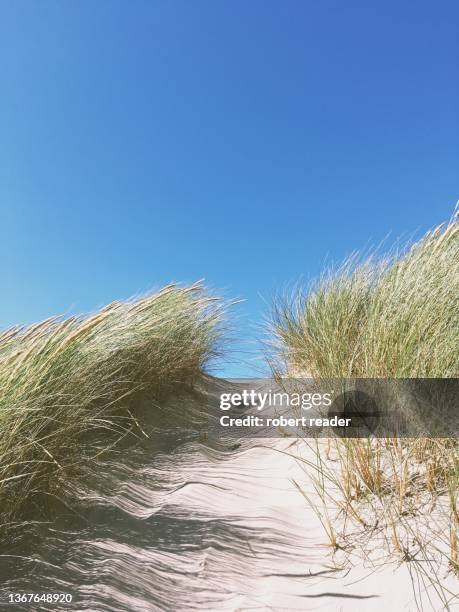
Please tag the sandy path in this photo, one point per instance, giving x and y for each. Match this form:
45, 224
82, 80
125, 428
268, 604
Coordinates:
206, 529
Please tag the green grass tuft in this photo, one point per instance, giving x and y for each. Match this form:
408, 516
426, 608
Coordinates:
395, 316
65, 382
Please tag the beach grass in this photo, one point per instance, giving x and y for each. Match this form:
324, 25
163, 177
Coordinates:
389, 316
69, 386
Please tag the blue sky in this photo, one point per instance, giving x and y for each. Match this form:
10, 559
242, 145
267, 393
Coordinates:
243, 142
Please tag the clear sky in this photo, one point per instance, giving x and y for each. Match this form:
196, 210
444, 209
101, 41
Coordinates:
246, 142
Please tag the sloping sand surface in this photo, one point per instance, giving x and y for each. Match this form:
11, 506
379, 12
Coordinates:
201, 528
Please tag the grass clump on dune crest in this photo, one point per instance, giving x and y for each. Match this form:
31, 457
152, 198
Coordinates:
397, 316
389, 317
64, 381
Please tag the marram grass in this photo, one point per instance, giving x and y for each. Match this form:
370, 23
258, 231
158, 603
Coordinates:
64, 382
395, 316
